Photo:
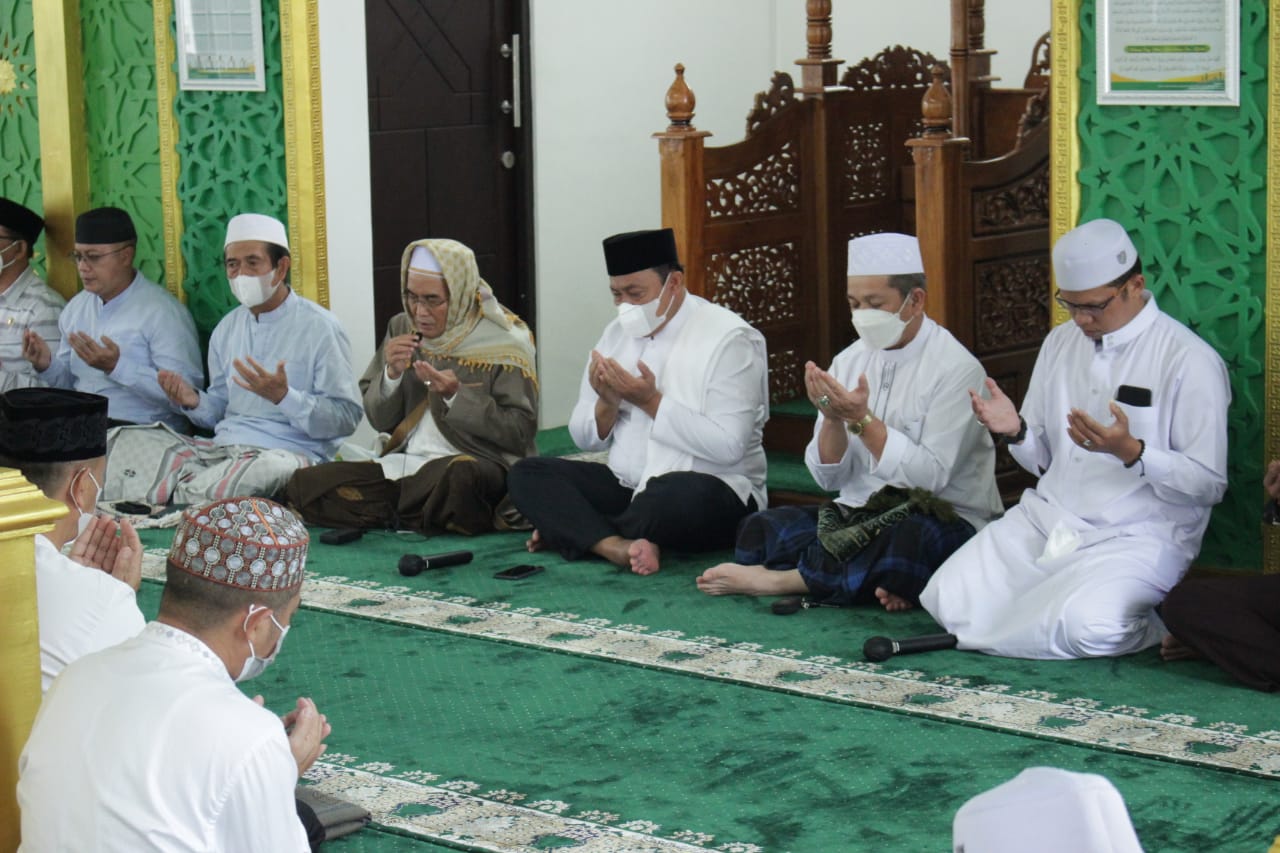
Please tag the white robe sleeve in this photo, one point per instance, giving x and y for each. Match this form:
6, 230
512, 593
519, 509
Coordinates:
259, 812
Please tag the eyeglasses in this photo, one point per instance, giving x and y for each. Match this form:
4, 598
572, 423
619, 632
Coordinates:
92, 258
1091, 309
431, 302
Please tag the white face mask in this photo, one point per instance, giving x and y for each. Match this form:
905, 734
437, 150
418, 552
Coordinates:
4, 265
253, 290
254, 665
86, 516
640, 321
879, 329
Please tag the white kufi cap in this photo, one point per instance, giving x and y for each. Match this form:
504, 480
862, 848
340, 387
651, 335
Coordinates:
423, 261
1092, 254
1047, 810
885, 254
256, 226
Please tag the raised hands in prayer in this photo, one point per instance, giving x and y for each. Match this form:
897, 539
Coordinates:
596, 376
178, 389
100, 355
112, 547
833, 399
307, 729
443, 382
270, 386
997, 414
36, 350
1096, 438
398, 353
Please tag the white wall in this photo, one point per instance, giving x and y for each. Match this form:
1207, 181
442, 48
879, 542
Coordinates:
345, 117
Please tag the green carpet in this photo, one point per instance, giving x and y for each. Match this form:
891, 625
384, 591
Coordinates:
592, 709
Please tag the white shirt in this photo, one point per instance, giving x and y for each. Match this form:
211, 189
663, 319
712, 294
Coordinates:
934, 442
724, 437
81, 610
424, 443
151, 746
1183, 471
28, 303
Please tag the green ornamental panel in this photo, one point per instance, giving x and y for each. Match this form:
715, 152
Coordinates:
1190, 184
233, 161
121, 133
19, 120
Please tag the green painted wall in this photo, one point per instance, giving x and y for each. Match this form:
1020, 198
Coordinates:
1190, 184
19, 121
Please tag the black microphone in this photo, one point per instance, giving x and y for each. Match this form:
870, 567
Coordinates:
412, 564
879, 649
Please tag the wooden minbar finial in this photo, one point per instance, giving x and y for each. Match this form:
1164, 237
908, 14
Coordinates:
818, 69
935, 106
680, 102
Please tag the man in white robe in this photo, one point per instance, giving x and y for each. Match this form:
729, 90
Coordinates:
152, 740
1125, 421
85, 602
893, 416
677, 391
281, 396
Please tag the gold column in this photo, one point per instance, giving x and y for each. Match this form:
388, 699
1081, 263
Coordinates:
304, 147
170, 163
1271, 373
64, 163
24, 512
1064, 108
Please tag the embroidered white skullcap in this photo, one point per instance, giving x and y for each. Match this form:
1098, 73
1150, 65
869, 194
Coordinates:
1093, 254
256, 226
422, 260
885, 254
1047, 810
249, 543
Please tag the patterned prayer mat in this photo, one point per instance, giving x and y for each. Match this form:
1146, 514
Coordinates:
591, 709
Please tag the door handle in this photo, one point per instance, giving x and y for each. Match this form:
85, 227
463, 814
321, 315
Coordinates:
508, 159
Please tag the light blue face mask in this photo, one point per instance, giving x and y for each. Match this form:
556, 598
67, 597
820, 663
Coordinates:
254, 665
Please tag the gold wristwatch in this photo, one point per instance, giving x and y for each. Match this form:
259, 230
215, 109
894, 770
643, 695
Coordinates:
859, 427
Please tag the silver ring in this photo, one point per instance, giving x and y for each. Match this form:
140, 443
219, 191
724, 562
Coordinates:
1087, 444
824, 401
427, 382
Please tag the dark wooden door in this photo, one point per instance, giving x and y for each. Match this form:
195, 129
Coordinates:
449, 139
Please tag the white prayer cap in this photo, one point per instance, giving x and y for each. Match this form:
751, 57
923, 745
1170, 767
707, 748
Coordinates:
885, 254
256, 226
423, 261
1047, 810
1092, 254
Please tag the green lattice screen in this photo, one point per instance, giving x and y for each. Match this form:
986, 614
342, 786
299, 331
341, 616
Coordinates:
1190, 183
233, 161
122, 137
19, 121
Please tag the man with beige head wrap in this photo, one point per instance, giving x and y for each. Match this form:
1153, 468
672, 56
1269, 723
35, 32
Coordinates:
454, 384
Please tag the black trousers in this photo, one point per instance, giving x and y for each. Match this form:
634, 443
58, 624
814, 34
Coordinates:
1232, 621
576, 504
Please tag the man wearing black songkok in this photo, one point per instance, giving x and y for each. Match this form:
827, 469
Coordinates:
677, 391
27, 304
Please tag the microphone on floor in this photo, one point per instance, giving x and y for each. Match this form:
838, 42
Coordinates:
412, 564
878, 649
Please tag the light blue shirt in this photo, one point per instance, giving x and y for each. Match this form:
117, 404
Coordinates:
154, 332
322, 406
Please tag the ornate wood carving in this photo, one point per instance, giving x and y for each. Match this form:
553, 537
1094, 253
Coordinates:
770, 186
759, 283
1020, 205
786, 376
1013, 303
935, 106
781, 94
680, 101
894, 67
865, 162
1036, 114
1038, 74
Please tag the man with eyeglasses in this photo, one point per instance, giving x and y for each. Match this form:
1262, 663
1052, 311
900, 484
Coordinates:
281, 392
26, 302
153, 739
85, 600
1125, 422
455, 386
120, 330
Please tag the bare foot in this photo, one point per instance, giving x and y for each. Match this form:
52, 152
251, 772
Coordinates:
644, 557
534, 542
1171, 648
891, 602
735, 579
